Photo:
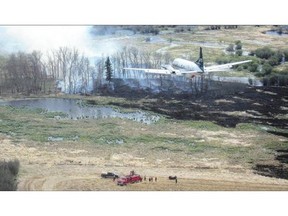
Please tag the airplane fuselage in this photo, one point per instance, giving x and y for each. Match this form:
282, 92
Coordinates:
183, 64
180, 65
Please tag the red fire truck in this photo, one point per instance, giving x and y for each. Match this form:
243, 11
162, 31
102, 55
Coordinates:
132, 178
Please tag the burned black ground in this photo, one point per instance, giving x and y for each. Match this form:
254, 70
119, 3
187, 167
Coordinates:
227, 106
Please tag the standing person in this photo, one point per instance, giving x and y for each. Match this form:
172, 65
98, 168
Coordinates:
155, 179
176, 180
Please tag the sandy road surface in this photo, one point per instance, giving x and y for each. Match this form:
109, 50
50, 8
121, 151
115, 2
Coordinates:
95, 183
43, 169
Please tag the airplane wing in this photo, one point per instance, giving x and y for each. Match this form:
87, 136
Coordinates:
223, 67
153, 71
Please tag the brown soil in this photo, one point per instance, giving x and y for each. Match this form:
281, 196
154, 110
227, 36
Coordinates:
50, 170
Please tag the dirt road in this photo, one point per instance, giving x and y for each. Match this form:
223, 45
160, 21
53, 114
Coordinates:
44, 170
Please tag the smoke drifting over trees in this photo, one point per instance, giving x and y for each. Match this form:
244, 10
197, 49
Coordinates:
68, 70
72, 62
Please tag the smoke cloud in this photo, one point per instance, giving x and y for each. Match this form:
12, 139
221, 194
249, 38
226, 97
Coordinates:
46, 38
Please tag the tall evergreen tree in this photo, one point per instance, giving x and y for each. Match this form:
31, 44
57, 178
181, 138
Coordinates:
108, 68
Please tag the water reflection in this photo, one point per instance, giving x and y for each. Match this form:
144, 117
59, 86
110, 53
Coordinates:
75, 109
275, 33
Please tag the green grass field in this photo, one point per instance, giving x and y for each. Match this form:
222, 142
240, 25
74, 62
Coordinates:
245, 145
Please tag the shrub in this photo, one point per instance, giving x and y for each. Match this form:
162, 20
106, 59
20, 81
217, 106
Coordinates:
252, 53
238, 45
239, 52
8, 173
7, 182
264, 53
276, 80
253, 67
273, 61
230, 48
240, 68
285, 52
14, 167
266, 69
148, 39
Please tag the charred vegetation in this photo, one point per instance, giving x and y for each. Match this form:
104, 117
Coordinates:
227, 106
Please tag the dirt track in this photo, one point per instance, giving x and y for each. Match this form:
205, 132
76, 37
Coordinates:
41, 171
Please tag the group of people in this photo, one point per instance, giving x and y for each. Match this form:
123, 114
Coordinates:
150, 179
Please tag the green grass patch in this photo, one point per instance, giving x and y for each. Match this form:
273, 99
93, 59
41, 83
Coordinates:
54, 114
204, 125
165, 148
249, 127
276, 145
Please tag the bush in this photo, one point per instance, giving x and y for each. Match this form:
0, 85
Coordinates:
7, 182
264, 53
230, 48
252, 53
285, 52
148, 39
273, 61
239, 52
240, 68
276, 80
238, 45
8, 173
14, 167
266, 69
253, 67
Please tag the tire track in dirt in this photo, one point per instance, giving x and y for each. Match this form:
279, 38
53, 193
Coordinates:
51, 183
95, 183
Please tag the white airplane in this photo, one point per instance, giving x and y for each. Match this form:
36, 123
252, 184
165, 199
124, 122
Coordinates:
182, 67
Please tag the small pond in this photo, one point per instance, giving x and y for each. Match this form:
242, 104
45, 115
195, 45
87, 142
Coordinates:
76, 109
275, 33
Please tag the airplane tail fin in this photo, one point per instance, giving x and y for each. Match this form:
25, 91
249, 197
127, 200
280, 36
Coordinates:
200, 61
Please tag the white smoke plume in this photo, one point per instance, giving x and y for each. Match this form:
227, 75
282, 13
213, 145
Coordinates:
46, 38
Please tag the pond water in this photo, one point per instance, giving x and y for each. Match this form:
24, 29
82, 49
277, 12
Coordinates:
76, 109
275, 33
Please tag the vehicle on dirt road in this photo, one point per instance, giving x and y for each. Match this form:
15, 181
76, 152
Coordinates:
109, 175
129, 179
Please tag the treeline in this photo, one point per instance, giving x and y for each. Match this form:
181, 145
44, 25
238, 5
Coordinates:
217, 27
34, 73
70, 71
72, 68
127, 57
8, 175
267, 69
264, 63
140, 29
23, 72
